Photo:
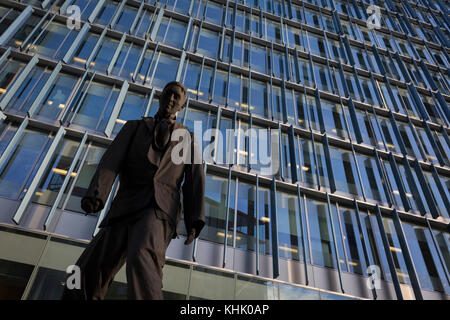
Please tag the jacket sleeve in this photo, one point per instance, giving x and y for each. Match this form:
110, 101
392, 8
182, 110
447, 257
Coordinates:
110, 164
194, 191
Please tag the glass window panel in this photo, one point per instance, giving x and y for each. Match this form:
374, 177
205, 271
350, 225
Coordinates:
295, 38
175, 34
22, 163
289, 227
208, 43
192, 78
85, 172
166, 70
29, 89
308, 166
323, 80
426, 260
220, 87
264, 223
147, 68
85, 50
132, 109
126, 19
317, 45
408, 139
107, 11
344, 171
8, 72
143, 23
396, 251
369, 91
258, 58
388, 134
258, 99
205, 83
96, 106
333, 117
214, 13
246, 221
321, 236
426, 144
204, 283
215, 209
371, 177
352, 240
273, 31
55, 39
24, 31
57, 97
53, 178
104, 54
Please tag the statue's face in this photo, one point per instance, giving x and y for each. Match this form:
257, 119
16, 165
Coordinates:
171, 101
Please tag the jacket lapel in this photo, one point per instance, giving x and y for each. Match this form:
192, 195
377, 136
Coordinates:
154, 156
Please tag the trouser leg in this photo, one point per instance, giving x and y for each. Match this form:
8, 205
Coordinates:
148, 240
99, 263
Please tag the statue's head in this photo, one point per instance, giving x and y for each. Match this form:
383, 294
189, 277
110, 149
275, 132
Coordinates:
172, 100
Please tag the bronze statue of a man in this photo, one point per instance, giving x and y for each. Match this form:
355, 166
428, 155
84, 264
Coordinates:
146, 211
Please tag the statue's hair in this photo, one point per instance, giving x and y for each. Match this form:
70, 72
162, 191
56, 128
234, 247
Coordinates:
174, 83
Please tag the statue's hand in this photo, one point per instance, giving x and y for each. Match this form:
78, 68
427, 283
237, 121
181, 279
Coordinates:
191, 236
90, 205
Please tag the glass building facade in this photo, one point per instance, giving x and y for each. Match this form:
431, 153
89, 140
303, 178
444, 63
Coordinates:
358, 207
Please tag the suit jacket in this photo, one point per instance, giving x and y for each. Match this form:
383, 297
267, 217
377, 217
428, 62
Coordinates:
146, 179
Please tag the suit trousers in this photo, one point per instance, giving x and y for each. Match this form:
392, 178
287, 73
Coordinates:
141, 243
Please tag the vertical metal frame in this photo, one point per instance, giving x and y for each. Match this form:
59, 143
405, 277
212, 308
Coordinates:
136, 19
274, 229
227, 217
336, 252
330, 169
116, 55
116, 16
305, 260
369, 259
217, 130
399, 182
384, 178
438, 250
116, 109
18, 82
141, 58
293, 155
358, 172
59, 196
180, 65
354, 119
78, 87
440, 187
397, 133
257, 222
106, 207
96, 10
96, 48
412, 186
13, 27
433, 143
149, 103
157, 24
51, 80
13, 142
388, 253
186, 109
407, 256
319, 110
38, 176
76, 43
426, 191
34, 31
80, 101
280, 153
